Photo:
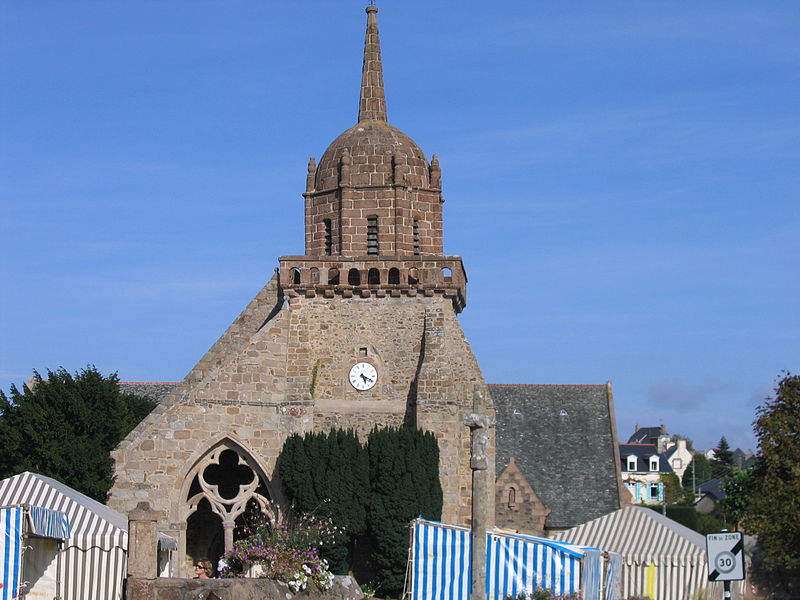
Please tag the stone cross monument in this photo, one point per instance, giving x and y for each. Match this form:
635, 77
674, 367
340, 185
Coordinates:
479, 422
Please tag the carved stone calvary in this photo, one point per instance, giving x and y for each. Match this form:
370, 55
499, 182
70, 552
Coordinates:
479, 422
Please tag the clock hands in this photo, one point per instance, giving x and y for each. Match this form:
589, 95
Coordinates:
366, 379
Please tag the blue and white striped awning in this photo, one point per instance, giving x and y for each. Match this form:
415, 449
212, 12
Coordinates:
10, 551
441, 563
46, 522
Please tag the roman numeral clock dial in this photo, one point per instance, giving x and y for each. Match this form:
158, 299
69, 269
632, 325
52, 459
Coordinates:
363, 376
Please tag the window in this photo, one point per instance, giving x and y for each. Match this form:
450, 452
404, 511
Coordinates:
373, 277
676, 463
653, 491
372, 236
413, 276
328, 237
631, 463
333, 276
654, 463
296, 276
394, 276
416, 236
354, 277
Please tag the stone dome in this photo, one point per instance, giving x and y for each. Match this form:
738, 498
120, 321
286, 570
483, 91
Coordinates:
379, 154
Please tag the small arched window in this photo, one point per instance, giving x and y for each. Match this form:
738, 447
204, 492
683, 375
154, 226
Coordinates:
373, 277
295, 276
413, 276
354, 277
394, 276
512, 497
333, 276
447, 274
314, 273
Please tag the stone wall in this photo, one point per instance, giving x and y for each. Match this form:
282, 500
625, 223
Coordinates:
289, 375
344, 588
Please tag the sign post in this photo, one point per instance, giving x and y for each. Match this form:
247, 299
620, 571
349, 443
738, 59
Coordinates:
725, 552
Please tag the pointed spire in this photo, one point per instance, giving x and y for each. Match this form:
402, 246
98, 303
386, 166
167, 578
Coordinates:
372, 102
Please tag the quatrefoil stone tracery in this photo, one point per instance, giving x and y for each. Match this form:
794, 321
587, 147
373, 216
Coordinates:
228, 499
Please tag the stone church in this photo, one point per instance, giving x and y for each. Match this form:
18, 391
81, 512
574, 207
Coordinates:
361, 330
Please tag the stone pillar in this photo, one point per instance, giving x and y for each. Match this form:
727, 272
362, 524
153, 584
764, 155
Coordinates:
142, 551
479, 423
143, 541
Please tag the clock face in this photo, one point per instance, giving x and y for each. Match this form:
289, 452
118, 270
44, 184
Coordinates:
363, 376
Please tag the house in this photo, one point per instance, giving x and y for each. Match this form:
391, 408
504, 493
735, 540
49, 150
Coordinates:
677, 451
642, 468
710, 495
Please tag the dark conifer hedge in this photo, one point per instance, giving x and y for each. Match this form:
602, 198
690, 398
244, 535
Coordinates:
328, 474
377, 490
404, 484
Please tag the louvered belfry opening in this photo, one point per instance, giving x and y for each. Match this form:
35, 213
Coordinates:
372, 236
328, 238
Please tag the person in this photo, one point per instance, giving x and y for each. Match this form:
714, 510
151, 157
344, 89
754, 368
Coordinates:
203, 569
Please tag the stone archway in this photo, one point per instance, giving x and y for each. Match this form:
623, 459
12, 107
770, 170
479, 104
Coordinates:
226, 486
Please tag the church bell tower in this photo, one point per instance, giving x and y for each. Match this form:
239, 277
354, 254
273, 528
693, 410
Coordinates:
358, 332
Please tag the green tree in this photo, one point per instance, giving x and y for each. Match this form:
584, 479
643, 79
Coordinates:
672, 488
722, 463
774, 501
738, 490
404, 478
698, 471
328, 474
65, 426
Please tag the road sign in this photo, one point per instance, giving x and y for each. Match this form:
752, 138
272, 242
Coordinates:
725, 556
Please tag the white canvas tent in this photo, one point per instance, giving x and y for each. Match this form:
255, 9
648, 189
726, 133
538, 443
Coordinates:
93, 558
659, 555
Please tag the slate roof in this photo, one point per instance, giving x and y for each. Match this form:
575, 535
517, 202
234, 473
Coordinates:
563, 438
156, 391
645, 435
713, 487
643, 452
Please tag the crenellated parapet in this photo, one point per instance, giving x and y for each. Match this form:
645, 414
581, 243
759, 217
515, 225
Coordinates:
379, 276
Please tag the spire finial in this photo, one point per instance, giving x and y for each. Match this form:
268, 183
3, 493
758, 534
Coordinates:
372, 102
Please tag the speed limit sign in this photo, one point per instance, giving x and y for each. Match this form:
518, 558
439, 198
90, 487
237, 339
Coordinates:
725, 556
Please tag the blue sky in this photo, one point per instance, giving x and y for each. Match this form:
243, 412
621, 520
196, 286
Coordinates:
622, 180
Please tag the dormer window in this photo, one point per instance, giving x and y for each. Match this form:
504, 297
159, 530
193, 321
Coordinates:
654, 463
631, 463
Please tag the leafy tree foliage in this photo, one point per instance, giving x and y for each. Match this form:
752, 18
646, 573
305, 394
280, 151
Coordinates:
698, 471
722, 463
672, 487
65, 426
737, 496
774, 503
404, 477
328, 474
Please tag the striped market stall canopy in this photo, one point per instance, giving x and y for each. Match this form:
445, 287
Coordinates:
10, 551
21, 526
441, 565
661, 558
94, 554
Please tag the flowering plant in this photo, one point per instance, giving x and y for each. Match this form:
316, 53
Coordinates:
286, 551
